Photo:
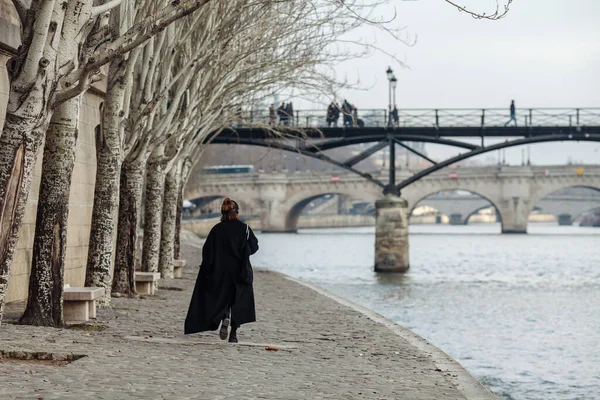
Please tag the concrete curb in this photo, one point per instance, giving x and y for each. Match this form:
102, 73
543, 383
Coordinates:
470, 387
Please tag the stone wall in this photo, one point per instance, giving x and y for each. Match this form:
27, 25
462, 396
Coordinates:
80, 206
335, 221
82, 190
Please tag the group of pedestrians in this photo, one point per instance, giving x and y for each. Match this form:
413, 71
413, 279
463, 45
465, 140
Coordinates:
284, 114
349, 112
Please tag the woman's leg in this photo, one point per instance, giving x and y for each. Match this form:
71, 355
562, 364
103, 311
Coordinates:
233, 333
225, 324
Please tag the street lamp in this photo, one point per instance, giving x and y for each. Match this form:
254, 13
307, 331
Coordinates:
389, 73
394, 83
390, 77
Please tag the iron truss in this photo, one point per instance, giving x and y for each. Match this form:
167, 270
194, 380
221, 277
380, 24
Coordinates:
313, 141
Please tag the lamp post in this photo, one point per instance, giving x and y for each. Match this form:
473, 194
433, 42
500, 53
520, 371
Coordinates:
393, 83
390, 76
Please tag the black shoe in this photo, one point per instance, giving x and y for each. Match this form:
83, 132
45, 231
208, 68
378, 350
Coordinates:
233, 337
224, 328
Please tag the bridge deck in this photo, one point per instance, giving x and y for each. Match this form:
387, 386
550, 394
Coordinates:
325, 138
446, 127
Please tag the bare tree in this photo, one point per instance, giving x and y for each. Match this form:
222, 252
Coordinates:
108, 161
55, 64
157, 90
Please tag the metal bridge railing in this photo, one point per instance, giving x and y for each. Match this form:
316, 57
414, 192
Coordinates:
442, 117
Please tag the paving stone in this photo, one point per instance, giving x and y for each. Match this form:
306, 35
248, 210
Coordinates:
327, 351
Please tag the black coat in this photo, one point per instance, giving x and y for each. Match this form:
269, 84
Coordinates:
219, 284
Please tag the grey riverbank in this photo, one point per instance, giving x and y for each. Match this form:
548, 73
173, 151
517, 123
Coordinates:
323, 347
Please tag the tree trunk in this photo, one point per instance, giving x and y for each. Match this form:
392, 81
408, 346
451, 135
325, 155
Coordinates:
19, 145
130, 198
155, 188
168, 222
106, 194
46, 281
177, 238
184, 174
33, 83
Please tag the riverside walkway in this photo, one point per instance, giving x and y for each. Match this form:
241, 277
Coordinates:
326, 350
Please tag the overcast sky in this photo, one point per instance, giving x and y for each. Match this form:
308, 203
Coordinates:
544, 53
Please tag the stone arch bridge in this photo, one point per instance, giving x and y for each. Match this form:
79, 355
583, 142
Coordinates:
513, 191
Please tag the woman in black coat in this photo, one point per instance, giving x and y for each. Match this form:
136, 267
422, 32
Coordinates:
223, 293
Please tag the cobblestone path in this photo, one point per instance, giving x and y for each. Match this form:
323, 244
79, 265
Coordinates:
326, 351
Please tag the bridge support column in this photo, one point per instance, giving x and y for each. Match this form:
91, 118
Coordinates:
391, 235
565, 219
273, 218
456, 219
514, 214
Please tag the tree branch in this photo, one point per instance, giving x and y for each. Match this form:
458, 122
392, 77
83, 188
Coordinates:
494, 16
101, 9
84, 83
143, 31
22, 7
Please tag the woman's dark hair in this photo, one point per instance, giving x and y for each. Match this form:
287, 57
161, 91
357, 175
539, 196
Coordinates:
229, 210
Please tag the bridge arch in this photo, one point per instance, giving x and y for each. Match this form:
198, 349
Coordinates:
458, 214
584, 212
476, 211
566, 215
292, 208
592, 220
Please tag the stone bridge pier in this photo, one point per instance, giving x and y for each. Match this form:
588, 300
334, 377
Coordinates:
514, 212
391, 235
274, 211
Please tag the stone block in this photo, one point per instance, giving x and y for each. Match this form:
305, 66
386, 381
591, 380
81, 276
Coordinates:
76, 311
82, 293
92, 309
178, 268
144, 282
80, 303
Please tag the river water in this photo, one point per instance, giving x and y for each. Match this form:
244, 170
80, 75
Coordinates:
520, 312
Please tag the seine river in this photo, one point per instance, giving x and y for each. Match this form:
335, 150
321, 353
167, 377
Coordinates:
520, 312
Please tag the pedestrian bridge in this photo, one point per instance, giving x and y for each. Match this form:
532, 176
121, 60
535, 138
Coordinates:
514, 191
451, 127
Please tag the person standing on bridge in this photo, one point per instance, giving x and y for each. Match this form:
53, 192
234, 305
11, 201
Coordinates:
272, 114
347, 111
336, 114
330, 118
513, 113
395, 116
289, 110
223, 294
354, 116
282, 114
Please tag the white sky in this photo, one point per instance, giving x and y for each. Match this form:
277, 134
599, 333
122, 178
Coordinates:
544, 53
